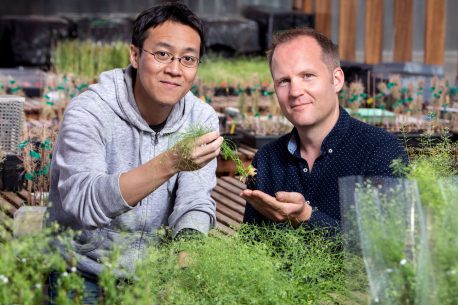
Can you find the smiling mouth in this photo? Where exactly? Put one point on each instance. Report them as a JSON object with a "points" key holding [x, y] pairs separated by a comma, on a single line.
{"points": [[170, 84], [300, 106]]}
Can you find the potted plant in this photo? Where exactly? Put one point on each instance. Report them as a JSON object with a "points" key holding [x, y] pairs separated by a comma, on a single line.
{"points": [[404, 229], [36, 157]]}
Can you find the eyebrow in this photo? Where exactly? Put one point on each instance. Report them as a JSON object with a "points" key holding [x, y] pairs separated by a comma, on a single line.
{"points": [[169, 46]]}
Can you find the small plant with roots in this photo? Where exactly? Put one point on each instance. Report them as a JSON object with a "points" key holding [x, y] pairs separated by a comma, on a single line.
{"points": [[186, 142]]}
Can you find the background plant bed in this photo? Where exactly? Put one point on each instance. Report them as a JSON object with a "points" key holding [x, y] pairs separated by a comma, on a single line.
{"points": [[419, 139], [256, 141]]}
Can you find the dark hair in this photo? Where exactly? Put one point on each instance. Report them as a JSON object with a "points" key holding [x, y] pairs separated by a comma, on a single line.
{"points": [[157, 15], [330, 51]]}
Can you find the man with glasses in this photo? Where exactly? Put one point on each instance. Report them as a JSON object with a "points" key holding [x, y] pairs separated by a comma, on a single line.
{"points": [[115, 174]]}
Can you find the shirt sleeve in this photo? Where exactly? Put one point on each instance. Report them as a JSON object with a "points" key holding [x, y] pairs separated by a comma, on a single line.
{"points": [[85, 188]]}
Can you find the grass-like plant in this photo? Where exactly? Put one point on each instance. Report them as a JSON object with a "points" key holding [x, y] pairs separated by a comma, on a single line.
{"points": [[390, 230], [234, 71], [404, 228], [88, 58], [25, 265], [435, 170], [186, 141], [256, 266]]}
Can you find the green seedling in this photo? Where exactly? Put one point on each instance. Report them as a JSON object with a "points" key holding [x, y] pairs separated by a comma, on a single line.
{"points": [[187, 141]]}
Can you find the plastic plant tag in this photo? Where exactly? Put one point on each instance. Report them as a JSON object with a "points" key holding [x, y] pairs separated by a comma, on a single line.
{"points": [[28, 220], [383, 223]]}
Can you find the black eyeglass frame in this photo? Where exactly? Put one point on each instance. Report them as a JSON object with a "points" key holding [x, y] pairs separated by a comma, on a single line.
{"points": [[172, 58]]}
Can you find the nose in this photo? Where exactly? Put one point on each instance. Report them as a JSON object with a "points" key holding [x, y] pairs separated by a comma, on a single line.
{"points": [[173, 67], [296, 88]]}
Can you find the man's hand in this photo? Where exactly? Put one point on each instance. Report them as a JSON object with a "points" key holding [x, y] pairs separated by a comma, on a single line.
{"points": [[285, 206], [193, 155]]}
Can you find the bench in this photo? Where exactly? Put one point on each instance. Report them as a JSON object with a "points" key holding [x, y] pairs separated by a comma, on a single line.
{"points": [[9, 203], [229, 205]]}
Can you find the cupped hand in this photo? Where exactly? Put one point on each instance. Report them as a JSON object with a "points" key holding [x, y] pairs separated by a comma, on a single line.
{"points": [[285, 206]]}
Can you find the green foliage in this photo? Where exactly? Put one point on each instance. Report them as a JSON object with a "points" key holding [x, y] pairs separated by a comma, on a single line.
{"points": [[390, 237], [240, 70], [187, 140], [411, 234], [430, 164], [256, 266], [25, 265], [88, 58]]}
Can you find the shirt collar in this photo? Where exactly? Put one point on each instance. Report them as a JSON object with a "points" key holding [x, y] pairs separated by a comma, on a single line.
{"points": [[331, 141]]}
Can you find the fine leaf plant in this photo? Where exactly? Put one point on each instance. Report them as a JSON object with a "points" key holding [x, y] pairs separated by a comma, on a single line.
{"points": [[185, 144]]}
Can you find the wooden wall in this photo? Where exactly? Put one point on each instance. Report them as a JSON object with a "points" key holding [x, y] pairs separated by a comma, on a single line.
{"points": [[373, 10]]}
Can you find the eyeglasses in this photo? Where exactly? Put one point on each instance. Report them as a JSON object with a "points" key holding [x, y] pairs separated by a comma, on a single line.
{"points": [[165, 57]]}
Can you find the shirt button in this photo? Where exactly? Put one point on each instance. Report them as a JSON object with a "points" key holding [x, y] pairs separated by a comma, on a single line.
{"points": [[330, 150], [305, 169]]}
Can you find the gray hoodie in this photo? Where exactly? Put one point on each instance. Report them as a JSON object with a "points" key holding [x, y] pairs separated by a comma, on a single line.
{"points": [[103, 135]]}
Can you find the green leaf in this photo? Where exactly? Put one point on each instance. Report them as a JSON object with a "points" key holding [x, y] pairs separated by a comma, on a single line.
{"points": [[23, 144], [46, 144], [34, 155]]}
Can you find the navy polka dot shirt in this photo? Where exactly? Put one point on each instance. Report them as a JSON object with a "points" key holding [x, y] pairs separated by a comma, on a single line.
{"points": [[351, 148]]}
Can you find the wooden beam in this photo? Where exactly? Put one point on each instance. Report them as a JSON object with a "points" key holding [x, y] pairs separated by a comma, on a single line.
{"points": [[348, 14], [323, 17], [434, 32], [373, 41], [403, 30], [307, 6]]}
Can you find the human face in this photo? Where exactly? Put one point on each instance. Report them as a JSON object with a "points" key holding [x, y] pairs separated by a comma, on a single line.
{"points": [[164, 84], [306, 89]]}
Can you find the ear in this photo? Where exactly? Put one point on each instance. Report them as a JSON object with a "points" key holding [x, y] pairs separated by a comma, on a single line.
{"points": [[338, 79], [134, 56]]}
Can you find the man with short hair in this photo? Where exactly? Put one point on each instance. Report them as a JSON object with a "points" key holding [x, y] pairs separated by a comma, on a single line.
{"points": [[297, 175], [114, 174]]}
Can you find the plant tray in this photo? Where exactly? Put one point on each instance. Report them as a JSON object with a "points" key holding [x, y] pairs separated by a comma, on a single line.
{"points": [[257, 141], [11, 174]]}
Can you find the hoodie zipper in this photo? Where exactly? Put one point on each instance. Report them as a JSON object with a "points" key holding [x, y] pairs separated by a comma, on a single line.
{"points": [[155, 140]]}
